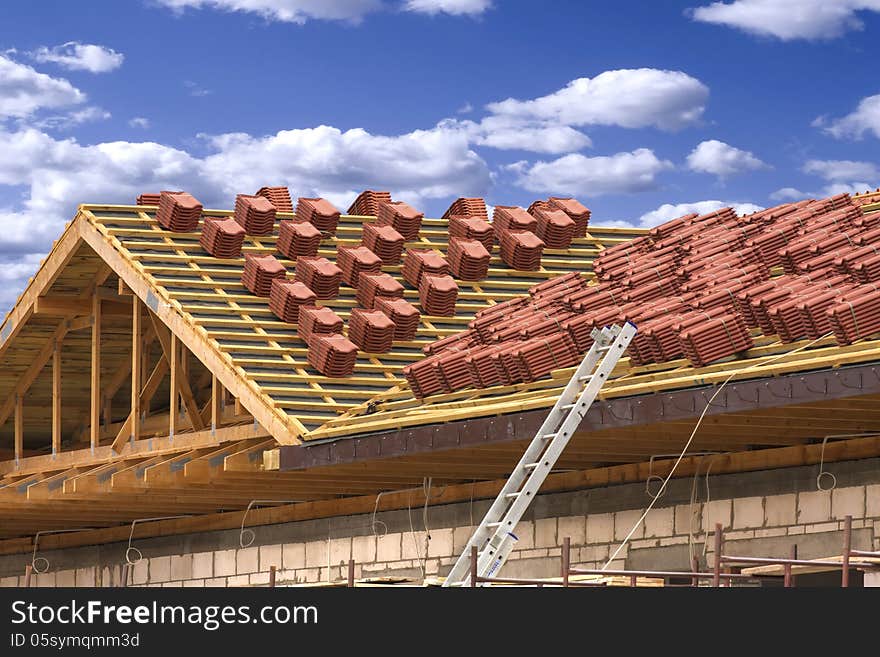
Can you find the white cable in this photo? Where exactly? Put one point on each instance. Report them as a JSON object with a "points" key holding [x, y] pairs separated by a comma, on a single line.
{"points": [[690, 439], [823, 472], [134, 550], [35, 559]]}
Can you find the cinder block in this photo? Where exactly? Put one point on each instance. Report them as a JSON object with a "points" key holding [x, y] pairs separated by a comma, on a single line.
{"points": [[86, 576], [247, 560], [182, 566], [848, 501], [545, 533], [600, 528], [440, 544], [525, 535], [67, 578], [872, 501], [795, 530], [573, 527], [821, 527], [432, 566], [770, 532], [203, 565], [238, 580], [340, 550], [9, 582], [717, 511], [270, 555], [363, 549], [748, 512], [388, 547], [224, 563], [460, 537], [624, 522], [316, 554], [739, 534], [780, 510], [293, 555], [44, 580], [413, 545], [592, 553], [160, 569], [190, 583], [216, 582], [259, 579], [645, 543], [170, 585], [687, 519], [673, 540], [660, 522], [814, 506]]}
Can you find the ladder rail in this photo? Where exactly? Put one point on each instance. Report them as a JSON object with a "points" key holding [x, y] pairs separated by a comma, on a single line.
{"points": [[494, 536]]}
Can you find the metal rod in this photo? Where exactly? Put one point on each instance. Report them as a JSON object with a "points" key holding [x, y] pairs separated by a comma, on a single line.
{"points": [[124, 579], [794, 554], [28, 569], [566, 560], [351, 573], [272, 577], [473, 566], [633, 580], [657, 573], [786, 571], [847, 546], [534, 582], [794, 562], [865, 553], [716, 580], [695, 568]]}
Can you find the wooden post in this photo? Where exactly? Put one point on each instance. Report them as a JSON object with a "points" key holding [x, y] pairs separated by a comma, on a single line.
{"points": [[136, 363], [217, 394], [19, 426], [95, 416], [56, 398], [173, 404]]}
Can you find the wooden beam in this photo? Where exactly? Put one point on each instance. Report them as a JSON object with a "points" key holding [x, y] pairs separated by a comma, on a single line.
{"points": [[19, 426], [136, 360], [95, 415], [217, 394], [179, 380], [147, 393], [56, 397], [66, 306], [174, 399]]}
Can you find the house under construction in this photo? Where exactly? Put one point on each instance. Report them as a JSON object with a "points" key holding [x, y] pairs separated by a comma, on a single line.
{"points": [[203, 397]]}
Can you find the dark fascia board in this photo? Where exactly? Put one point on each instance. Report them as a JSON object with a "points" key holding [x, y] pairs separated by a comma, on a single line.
{"points": [[736, 397]]}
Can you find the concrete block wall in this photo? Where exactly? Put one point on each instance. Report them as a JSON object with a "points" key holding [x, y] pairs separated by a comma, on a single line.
{"points": [[782, 508]]}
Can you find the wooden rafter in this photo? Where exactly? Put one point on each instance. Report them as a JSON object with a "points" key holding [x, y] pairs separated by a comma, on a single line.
{"points": [[56, 396], [179, 380], [95, 414]]}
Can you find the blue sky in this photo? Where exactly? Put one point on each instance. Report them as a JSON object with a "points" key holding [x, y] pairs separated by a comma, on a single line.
{"points": [[642, 110]]}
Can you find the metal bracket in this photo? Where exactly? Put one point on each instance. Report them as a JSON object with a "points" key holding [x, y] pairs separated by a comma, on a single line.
{"points": [[790, 394], [823, 391]]}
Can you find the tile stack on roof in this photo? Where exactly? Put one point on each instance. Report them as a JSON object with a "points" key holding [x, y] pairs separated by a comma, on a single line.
{"points": [[375, 286], [333, 355], [222, 237], [148, 198], [521, 250], [423, 377], [472, 228], [857, 316], [716, 338], [178, 212], [511, 217], [468, 259], [255, 213], [417, 262], [279, 197], [367, 203], [259, 271], [286, 298], [385, 242], [317, 320], [405, 219], [404, 315], [578, 212], [438, 294], [467, 207], [319, 275], [555, 228], [356, 260], [371, 330], [298, 238], [319, 212]]}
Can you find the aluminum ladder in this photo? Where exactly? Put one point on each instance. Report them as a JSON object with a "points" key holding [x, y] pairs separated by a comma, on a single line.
{"points": [[494, 537]]}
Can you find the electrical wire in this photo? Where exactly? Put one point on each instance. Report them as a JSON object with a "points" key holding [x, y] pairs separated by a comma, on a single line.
{"points": [[35, 559], [690, 439]]}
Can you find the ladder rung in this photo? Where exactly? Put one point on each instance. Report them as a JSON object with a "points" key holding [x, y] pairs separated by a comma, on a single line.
{"points": [[531, 466], [603, 348], [585, 378], [549, 436], [493, 524], [512, 496]]}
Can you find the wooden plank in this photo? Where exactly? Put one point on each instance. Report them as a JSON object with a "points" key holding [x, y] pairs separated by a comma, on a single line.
{"points": [[217, 396], [56, 397], [136, 361], [75, 307], [19, 426], [174, 388], [95, 415]]}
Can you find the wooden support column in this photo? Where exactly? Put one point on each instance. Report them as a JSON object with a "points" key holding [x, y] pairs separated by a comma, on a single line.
{"points": [[136, 363], [56, 398], [19, 426], [173, 405], [217, 399], [95, 415]]}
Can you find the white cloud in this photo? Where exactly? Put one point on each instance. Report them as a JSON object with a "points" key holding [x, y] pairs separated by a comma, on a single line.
{"points": [[865, 118], [139, 122], [77, 56], [23, 90], [72, 119], [579, 175], [287, 11], [14, 274], [841, 170], [505, 133], [453, 7], [467, 108], [629, 98], [721, 159], [788, 19], [195, 89], [789, 194], [669, 211]]}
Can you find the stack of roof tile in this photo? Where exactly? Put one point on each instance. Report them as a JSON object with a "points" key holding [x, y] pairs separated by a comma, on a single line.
{"points": [[539, 205], [438, 294], [385, 242], [298, 238], [356, 260], [417, 262], [472, 228], [255, 214], [404, 315], [279, 197], [148, 198], [423, 377], [555, 228], [375, 286], [579, 213], [468, 259], [371, 330], [867, 269], [857, 317], [286, 298], [317, 320], [540, 356], [333, 355], [222, 238], [178, 212], [715, 339], [521, 250], [507, 218], [318, 211], [405, 219], [259, 272], [467, 207], [367, 203], [320, 275]]}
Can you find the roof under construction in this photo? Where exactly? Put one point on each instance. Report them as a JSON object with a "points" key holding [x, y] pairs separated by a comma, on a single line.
{"points": [[225, 385]]}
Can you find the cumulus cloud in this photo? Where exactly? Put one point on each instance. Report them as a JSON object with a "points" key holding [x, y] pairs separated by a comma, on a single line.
{"points": [[286, 11], [505, 133], [865, 118], [669, 211], [788, 19], [453, 7], [23, 90], [721, 159], [840, 170], [139, 122], [72, 119], [577, 174], [77, 56]]}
